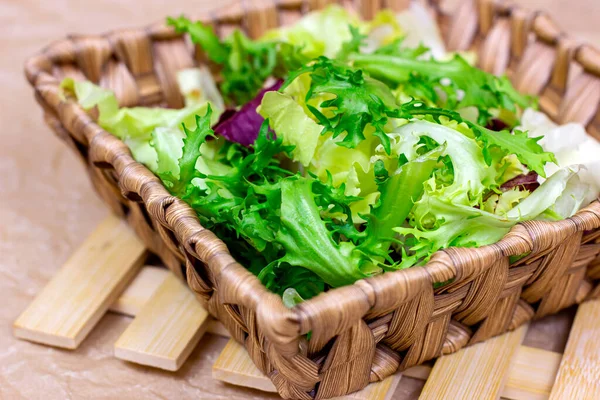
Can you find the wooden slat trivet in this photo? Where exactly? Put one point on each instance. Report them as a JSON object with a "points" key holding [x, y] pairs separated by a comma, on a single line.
{"points": [[482, 369], [99, 270], [531, 376], [579, 371], [71, 304], [167, 328], [139, 291], [235, 366]]}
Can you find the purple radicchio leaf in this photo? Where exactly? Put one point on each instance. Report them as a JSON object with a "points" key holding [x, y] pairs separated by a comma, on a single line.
{"points": [[242, 126], [527, 181], [497, 125]]}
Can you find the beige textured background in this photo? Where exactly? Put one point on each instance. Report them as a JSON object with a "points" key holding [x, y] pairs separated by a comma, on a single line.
{"points": [[47, 207]]}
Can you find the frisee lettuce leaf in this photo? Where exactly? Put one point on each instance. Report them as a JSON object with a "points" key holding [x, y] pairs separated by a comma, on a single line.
{"points": [[439, 223], [452, 84], [317, 33], [134, 125], [358, 101]]}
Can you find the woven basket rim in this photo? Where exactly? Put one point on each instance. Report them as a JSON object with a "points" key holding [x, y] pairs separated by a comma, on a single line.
{"points": [[445, 265]]}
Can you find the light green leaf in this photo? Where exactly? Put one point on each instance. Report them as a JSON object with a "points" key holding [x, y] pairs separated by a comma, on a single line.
{"points": [[288, 120]]}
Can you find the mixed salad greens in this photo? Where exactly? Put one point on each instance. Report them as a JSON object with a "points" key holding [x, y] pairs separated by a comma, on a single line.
{"points": [[332, 151]]}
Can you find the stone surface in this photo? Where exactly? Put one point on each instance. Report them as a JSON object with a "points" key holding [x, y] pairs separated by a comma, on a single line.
{"points": [[47, 208]]}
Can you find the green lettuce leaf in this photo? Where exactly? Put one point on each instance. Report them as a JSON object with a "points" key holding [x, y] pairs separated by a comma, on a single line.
{"points": [[471, 175], [287, 118], [246, 64], [439, 223], [452, 84], [500, 203], [398, 195], [318, 33], [133, 125], [291, 297], [526, 149], [179, 179], [358, 101], [308, 242]]}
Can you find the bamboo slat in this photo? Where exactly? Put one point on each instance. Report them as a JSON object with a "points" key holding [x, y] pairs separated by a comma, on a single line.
{"points": [[579, 372], [383, 390], [532, 374], [481, 369], [69, 306], [530, 377], [235, 366], [140, 290], [166, 330]]}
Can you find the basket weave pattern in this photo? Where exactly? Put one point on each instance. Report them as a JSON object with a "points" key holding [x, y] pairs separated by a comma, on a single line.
{"points": [[367, 331]]}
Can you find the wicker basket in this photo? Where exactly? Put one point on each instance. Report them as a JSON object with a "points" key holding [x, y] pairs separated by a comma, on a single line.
{"points": [[367, 331]]}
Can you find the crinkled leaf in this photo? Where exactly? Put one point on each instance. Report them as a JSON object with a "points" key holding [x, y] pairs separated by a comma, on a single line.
{"points": [[133, 125], [292, 125], [203, 35], [471, 175], [398, 194], [317, 33], [351, 46], [242, 126], [358, 101], [526, 149], [306, 239], [463, 84]]}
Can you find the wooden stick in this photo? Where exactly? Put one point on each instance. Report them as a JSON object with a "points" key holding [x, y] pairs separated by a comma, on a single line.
{"points": [[383, 390], [481, 369], [166, 330], [235, 366], [532, 374], [71, 304], [579, 372], [139, 291]]}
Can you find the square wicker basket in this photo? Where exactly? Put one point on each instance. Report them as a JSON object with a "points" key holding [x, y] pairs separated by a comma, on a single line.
{"points": [[367, 331]]}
